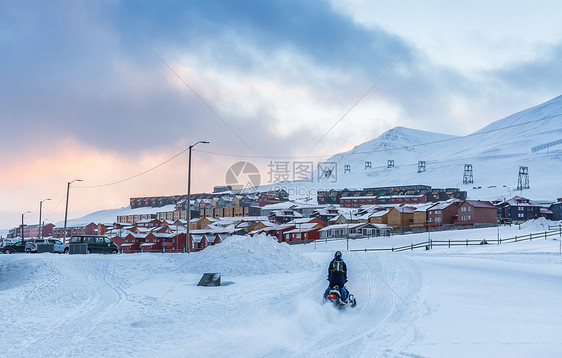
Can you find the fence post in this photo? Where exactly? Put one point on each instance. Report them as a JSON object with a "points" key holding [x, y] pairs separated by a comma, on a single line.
{"points": [[449, 243], [515, 238], [466, 242], [545, 235], [431, 244], [531, 237], [411, 247]]}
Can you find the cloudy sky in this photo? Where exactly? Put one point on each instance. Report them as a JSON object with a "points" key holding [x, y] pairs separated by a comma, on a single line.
{"points": [[104, 91]]}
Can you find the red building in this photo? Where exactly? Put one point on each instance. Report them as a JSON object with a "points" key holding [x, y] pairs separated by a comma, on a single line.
{"points": [[444, 213], [277, 231], [35, 230], [472, 212], [267, 199], [305, 233], [89, 229], [148, 223], [408, 199], [151, 242], [357, 201]]}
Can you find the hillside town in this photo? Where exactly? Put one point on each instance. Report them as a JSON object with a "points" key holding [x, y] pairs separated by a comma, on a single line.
{"points": [[337, 214]]}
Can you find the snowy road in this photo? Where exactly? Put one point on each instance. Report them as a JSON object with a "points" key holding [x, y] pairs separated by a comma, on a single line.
{"points": [[444, 303]]}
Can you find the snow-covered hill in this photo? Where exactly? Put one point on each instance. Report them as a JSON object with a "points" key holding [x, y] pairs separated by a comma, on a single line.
{"points": [[109, 216], [479, 301], [495, 152]]}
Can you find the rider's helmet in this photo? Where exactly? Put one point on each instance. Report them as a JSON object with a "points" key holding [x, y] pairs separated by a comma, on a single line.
{"points": [[337, 255]]}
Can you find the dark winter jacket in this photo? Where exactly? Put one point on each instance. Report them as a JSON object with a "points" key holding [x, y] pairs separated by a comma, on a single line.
{"points": [[333, 268]]}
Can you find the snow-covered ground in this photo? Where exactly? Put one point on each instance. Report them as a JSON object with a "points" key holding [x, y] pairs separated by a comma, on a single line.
{"points": [[478, 301]]}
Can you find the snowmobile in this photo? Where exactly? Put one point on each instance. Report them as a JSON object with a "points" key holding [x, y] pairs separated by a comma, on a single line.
{"points": [[333, 296]]}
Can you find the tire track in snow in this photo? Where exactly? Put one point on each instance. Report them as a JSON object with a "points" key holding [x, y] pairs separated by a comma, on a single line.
{"points": [[99, 299], [361, 335], [108, 296], [352, 329], [352, 347]]}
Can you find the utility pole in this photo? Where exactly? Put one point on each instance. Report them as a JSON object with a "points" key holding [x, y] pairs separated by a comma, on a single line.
{"points": [[189, 194], [40, 232], [22, 215], [66, 210]]}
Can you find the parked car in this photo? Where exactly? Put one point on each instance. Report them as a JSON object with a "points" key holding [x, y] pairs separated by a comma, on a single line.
{"points": [[58, 246], [96, 244], [13, 248]]}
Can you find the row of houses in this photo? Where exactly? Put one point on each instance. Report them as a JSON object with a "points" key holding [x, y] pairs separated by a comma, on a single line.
{"points": [[292, 222], [221, 198], [387, 193]]}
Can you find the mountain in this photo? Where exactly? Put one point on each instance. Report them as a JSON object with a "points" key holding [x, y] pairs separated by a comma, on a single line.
{"points": [[496, 153]]}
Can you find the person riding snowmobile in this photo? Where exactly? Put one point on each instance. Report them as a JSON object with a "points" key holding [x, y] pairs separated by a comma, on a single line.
{"points": [[337, 275]]}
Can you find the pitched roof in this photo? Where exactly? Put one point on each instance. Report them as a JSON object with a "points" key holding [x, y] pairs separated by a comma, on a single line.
{"points": [[342, 226], [481, 204]]}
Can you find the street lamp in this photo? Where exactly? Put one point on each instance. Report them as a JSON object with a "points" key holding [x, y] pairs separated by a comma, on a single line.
{"points": [[189, 194], [27, 212], [66, 210], [40, 232]]}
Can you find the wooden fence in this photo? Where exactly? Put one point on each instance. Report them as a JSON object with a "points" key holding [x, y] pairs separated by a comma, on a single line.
{"points": [[427, 245]]}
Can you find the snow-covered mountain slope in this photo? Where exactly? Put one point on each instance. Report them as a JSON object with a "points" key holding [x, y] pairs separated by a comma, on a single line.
{"points": [[495, 152], [109, 216]]}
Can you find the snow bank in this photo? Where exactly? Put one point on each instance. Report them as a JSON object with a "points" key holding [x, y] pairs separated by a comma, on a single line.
{"points": [[257, 255], [540, 224]]}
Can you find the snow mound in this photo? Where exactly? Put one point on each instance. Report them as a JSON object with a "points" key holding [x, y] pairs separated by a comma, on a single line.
{"points": [[540, 224], [257, 255]]}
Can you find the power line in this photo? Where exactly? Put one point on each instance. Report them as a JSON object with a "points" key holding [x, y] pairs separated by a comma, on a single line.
{"points": [[362, 97], [202, 100], [314, 156], [134, 176]]}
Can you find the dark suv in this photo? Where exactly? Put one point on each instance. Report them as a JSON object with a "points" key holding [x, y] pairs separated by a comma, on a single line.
{"points": [[13, 248], [95, 244]]}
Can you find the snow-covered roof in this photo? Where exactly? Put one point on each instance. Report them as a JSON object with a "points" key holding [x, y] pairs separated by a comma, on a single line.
{"points": [[287, 213], [358, 197], [445, 204], [305, 226], [301, 220], [481, 204], [521, 201], [146, 221], [406, 209], [164, 235], [379, 213], [342, 226], [424, 207], [198, 238]]}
